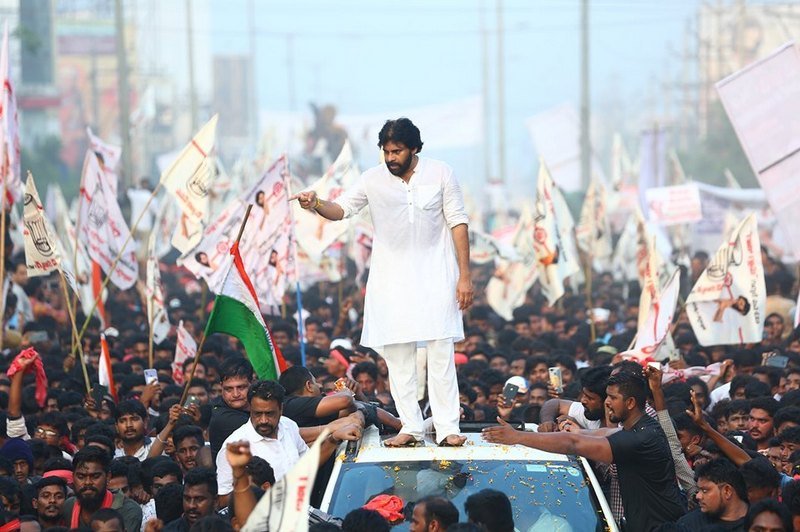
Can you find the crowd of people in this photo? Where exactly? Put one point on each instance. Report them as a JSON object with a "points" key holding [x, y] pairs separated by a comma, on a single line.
{"points": [[723, 450]]}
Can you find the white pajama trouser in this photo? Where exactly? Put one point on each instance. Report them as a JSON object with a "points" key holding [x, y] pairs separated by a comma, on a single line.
{"points": [[401, 360]]}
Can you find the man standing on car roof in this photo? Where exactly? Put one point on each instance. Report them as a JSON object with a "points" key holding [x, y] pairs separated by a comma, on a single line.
{"points": [[640, 450], [419, 280]]}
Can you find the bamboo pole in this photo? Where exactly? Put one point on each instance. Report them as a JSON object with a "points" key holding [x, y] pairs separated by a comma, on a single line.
{"points": [[3, 250], [71, 313]]}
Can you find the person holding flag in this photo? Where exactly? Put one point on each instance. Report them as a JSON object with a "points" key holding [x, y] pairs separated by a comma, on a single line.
{"points": [[419, 281]]}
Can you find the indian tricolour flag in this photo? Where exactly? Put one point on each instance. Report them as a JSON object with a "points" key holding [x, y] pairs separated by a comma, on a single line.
{"points": [[236, 312]]}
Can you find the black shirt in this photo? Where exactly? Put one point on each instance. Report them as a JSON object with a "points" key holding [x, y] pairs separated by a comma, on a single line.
{"points": [[224, 420], [303, 411], [646, 474], [697, 520]]}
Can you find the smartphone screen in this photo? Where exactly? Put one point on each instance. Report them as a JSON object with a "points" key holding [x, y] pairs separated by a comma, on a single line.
{"points": [[555, 379], [510, 393], [150, 376]]}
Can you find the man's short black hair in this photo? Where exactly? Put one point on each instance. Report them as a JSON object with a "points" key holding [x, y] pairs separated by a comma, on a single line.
{"points": [[790, 434], [492, 509], [367, 367], [236, 367], [202, 475], [51, 481], [440, 509], [771, 506], [188, 431], [165, 469], [722, 471], [168, 506], [767, 404], [759, 473], [402, 131], [202, 383], [55, 420], [596, 380], [786, 414], [92, 454], [294, 379], [741, 406], [108, 514], [630, 385], [363, 519], [682, 421], [261, 471], [131, 407], [266, 390]]}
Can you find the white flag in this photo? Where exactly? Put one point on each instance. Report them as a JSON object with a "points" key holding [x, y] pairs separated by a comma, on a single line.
{"points": [[727, 303], [658, 320], [156, 311], [315, 233], [284, 507], [189, 179], [185, 349], [108, 155], [42, 255], [103, 229], [105, 375], [624, 264], [509, 285], [593, 232], [9, 128], [553, 244]]}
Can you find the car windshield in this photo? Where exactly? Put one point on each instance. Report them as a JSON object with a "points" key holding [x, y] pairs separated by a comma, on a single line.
{"points": [[543, 494]]}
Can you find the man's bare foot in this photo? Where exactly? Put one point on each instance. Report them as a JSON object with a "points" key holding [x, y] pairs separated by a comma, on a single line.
{"points": [[454, 440], [401, 440]]}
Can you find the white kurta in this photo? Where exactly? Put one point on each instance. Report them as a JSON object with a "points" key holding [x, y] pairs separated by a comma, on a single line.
{"points": [[411, 290]]}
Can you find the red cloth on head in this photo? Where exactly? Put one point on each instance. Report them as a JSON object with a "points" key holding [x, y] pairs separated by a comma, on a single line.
{"points": [[37, 368], [389, 506]]}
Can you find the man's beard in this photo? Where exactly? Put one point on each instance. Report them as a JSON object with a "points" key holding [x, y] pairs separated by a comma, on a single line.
{"points": [[401, 169], [91, 500], [593, 415], [134, 439], [47, 516]]}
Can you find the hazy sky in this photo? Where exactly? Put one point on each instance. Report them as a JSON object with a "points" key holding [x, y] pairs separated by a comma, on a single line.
{"points": [[368, 56]]}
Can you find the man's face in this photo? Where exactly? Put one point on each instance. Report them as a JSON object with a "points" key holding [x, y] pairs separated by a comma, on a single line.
{"points": [[709, 497], [216, 390], [494, 393], [774, 457], [11, 506], [500, 364], [615, 404], [112, 525], [197, 503], [398, 157], [738, 421], [120, 484], [793, 381], [517, 367], [139, 349], [130, 428], [160, 482], [760, 425], [234, 392], [786, 450], [21, 470], [367, 383], [48, 433], [418, 522], [50, 502], [200, 393], [90, 483], [773, 327], [537, 325], [538, 396], [281, 339], [186, 453], [265, 414], [523, 328], [20, 275], [51, 405], [335, 367], [592, 405], [539, 374]]}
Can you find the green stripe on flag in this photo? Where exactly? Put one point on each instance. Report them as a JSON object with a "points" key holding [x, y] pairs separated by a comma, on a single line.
{"points": [[232, 317]]}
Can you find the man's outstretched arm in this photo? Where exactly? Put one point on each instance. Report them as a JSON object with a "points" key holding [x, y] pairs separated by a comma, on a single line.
{"points": [[594, 448]]}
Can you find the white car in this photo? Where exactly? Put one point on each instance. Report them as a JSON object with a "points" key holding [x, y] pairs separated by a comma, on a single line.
{"points": [[548, 492]]}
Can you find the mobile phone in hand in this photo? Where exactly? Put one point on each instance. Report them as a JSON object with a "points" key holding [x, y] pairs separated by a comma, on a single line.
{"points": [[150, 376], [510, 393], [556, 381]]}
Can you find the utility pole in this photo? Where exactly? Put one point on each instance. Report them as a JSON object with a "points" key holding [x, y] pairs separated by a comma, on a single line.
{"points": [[190, 46], [123, 92], [501, 99], [585, 138], [487, 169], [251, 11]]}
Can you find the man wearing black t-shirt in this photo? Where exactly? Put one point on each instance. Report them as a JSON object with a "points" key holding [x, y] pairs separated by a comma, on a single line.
{"points": [[722, 496], [231, 410], [640, 450]]}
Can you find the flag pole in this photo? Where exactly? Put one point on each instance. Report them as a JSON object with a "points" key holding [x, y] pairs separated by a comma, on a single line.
{"points": [[115, 262], [71, 313], [188, 380], [588, 288], [298, 294], [3, 246]]}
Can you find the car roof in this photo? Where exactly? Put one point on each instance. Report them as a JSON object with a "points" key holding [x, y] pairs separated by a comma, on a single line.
{"points": [[475, 448]]}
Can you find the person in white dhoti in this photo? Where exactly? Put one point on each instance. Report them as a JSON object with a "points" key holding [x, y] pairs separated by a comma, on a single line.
{"points": [[419, 280]]}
